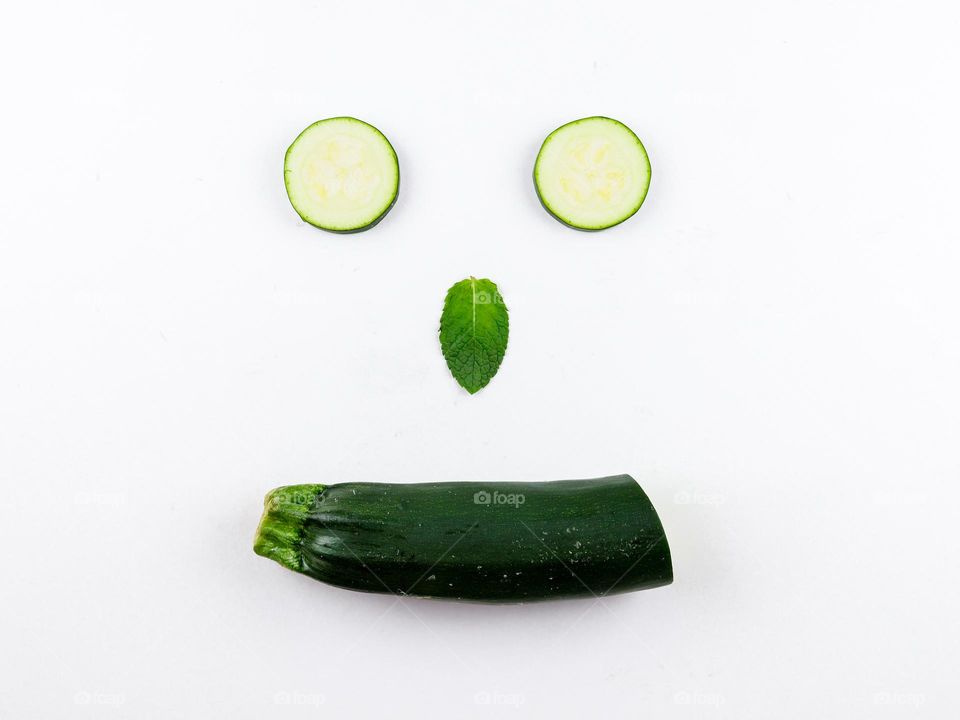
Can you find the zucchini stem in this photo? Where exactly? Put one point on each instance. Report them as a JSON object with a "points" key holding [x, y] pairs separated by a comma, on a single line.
{"points": [[280, 533]]}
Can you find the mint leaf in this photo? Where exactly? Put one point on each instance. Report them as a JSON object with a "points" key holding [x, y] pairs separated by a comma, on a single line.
{"points": [[473, 332]]}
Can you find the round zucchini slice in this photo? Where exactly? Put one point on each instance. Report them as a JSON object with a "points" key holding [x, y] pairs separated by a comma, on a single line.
{"points": [[592, 173], [342, 175]]}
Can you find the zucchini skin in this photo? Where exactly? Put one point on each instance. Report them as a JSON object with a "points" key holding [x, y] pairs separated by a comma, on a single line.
{"points": [[476, 541]]}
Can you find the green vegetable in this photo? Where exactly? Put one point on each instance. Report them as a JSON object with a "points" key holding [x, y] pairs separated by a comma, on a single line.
{"points": [[341, 175], [490, 542], [592, 173], [473, 332]]}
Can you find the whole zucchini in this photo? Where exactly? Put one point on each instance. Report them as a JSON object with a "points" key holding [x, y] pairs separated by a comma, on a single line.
{"points": [[480, 541]]}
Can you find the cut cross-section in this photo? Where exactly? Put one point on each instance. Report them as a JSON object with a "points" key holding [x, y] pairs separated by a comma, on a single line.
{"points": [[592, 173], [342, 175]]}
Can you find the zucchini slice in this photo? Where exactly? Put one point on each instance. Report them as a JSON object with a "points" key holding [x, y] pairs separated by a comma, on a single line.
{"points": [[342, 175], [478, 541], [592, 173]]}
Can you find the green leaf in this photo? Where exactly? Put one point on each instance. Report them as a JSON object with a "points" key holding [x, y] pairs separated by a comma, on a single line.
{"points": [[473, 332]]}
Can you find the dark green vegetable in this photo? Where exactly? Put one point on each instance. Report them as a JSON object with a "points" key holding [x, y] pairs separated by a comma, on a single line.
{"points": [[489, 542]]}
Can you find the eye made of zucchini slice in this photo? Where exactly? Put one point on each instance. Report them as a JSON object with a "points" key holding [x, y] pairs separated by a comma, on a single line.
{"points": [[592, 173], [341, 175]]}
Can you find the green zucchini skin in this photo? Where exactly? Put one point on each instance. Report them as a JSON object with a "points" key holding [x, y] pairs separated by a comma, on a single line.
{"points": [[475, 541]]}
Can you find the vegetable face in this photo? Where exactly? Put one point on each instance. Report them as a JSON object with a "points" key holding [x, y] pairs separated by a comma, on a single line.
{"points": [[592, 173], [488, 542], [341, 175]]}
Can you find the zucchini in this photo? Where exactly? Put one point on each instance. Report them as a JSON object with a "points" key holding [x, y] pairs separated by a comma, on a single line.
{"points": [[479, 541], [341, 175], [592, 173]]}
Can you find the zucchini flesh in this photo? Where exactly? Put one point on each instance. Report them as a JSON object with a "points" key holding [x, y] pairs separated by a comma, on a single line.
{"points": [[341, 175], [488, 542], [592, 173]]}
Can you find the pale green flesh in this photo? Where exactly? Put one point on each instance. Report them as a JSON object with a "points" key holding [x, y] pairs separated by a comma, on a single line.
{"points": [[341, 174], [592, 173]]}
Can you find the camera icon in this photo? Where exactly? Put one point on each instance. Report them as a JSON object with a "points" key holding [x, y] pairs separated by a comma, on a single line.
{"points": [[482, 498]]}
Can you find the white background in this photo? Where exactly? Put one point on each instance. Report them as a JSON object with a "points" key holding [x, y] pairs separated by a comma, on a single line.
{"points": [[770, 346]]}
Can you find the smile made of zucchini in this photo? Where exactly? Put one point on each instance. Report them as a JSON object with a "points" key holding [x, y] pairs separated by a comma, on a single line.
{"points": [[478, 541]]}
